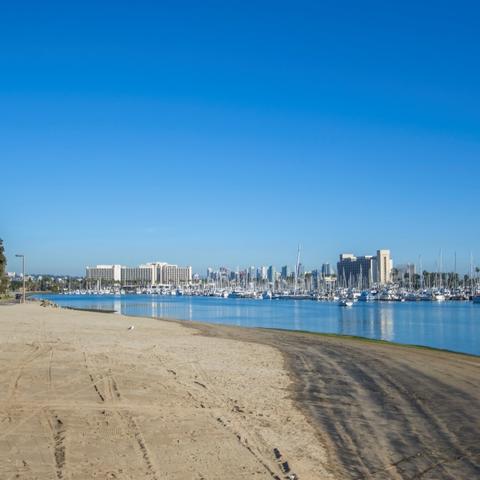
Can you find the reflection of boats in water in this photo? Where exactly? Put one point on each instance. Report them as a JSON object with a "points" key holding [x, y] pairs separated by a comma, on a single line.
{"points": [[291, 296]]}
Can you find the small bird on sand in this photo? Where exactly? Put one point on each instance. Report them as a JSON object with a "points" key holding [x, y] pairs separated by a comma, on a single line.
{"points": [[131, 327]]}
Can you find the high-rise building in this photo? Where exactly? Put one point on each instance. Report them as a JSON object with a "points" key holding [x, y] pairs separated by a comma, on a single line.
{"points": [[327, 270], [262, 273], [252, 274], [384, 266], [144, 275], [285, 272], [104, 273], [156, 273], [355, 271], [361, 272], [271, 274], [175, 275]]}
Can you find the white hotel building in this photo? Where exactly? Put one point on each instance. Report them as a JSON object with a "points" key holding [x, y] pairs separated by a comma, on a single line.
{"points": [[155, 273]]}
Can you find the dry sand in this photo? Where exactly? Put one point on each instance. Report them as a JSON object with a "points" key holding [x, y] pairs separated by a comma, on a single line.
{"points": [[82, 397]]}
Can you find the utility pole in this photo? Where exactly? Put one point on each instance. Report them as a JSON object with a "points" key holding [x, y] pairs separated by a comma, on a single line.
{"points": [[23, 276]]}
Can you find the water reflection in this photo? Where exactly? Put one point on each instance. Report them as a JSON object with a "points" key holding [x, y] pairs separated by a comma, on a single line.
{"points": [[450, 325]]}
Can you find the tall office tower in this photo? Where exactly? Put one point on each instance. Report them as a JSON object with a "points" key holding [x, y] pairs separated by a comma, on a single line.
{"points": [[355, 271], [271, 274], [327, 270], [262, 273], [285, 272], [384, 266]]}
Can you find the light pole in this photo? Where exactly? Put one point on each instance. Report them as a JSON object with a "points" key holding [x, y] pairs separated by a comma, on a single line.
{"points": [[23, 274]]}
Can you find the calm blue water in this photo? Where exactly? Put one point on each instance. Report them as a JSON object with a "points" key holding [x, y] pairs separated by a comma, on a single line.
{"points": [[449, 325]]}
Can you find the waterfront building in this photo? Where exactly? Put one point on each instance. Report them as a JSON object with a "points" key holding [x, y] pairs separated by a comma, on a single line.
{"points": [[175, 275], [364, 271], [384, 266], [355, 271], [144, 275], [285, 272], [104, 273], [155, 273]]}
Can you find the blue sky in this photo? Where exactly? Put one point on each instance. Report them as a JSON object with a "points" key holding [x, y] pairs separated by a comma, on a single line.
{"points": [[225, 133]]}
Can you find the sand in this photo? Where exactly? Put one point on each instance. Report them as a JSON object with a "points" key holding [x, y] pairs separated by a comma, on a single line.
{"points": [[384, 411], [82, 396]]}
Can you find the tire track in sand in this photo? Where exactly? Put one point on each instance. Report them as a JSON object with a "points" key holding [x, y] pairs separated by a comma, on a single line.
{"points": [[59, 432], [126, 422]]}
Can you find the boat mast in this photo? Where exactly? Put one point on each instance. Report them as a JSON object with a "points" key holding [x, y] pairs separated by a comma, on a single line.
{"points": [[455, 271], [441, 268], [296, 270], [421, 272]]}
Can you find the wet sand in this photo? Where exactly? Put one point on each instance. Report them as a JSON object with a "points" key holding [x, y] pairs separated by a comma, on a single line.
{"points": [[385, 411], [82, 396]]}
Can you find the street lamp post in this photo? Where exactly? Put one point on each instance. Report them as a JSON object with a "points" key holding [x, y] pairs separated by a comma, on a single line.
{"points": [[23, 274]]}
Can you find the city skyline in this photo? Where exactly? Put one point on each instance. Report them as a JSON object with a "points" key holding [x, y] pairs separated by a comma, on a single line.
{"points": [[215, 134], [440, 263]]}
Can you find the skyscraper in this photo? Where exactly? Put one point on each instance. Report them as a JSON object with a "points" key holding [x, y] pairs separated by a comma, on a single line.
{"points": [[271, 274], [356, 271], [327, 270], [384, 266], [262, 273]]}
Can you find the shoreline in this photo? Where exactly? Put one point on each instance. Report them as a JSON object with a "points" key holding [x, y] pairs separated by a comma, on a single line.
{"points": [[454, 333], [384, 410], [280, 330]]}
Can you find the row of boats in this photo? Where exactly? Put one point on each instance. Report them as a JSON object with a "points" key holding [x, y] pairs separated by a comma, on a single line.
{"points": [[344, 297]]}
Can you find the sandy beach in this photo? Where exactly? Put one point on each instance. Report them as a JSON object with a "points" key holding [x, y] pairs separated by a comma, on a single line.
{"points": [[82, 396]]}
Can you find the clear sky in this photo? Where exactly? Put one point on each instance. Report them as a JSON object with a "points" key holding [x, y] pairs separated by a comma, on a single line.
{"points": [[225, 133]]}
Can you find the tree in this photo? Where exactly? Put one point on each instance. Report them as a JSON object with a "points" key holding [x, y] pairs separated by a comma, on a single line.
{"points": [[3, 265]]}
